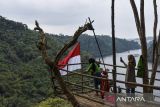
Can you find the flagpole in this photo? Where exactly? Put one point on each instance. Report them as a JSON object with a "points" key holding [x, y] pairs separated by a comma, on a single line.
{"points": [[97, 43]]}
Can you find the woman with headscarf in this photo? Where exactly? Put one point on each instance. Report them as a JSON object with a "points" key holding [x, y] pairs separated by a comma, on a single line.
{"points": [[130, 74]]}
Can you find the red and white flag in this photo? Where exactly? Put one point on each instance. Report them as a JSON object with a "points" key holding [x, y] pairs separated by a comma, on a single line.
{"points": [[73, 57]]}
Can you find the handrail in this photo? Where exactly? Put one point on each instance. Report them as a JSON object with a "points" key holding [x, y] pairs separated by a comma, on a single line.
{"points": [[120, 88], [132, 83], [125, 67], [72, 72], [136, 76], [140, 92], [99, 89], [119, 66], [83, 74], [86, 88]]}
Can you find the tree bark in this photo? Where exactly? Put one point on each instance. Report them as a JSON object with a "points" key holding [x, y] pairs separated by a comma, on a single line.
{"points": [[155, 56], [144, 46], [140, 24], [136, 17], [53, 64], [154, 29], [155, 65]]}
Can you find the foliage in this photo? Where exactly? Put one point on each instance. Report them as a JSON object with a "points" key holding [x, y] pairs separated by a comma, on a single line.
{"points": [[54, 102], [24, 78], [88, 44], [23, 75]]}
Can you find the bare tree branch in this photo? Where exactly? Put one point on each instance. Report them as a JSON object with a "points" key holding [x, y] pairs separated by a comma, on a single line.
{"points": [[154, 29], [142, 18], [136, 16], [144, 45], [80, 30], [53, 65], [155, 56], [42, 45], [140, 24], [155, 65]]}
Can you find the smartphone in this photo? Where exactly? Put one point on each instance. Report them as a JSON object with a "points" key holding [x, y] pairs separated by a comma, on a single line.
{"points": [[121, 59]]}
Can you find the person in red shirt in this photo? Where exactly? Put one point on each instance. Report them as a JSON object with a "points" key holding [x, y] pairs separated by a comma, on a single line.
{"points": [[104, 87]]}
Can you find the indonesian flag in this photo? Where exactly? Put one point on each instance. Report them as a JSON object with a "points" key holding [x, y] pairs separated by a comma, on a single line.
{"points": [[73, 57]]}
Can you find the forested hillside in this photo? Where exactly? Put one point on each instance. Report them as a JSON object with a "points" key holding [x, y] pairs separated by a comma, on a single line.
{"points": [[24, 78], [105, 42], [88, 44]]}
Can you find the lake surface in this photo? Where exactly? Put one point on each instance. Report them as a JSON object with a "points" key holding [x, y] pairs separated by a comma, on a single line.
{"points": [[108, 60]]}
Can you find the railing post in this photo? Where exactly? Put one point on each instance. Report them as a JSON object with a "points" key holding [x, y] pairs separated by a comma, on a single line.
{"points": [[82, 80], [67, 73], [113, 44], [114, 81], [114, 86]]}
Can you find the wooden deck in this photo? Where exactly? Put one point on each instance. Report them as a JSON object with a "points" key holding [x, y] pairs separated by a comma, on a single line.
{"points": [[99, 102]]}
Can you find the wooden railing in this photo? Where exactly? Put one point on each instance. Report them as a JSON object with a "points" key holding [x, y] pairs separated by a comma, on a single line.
{"points": [[81, 83]]}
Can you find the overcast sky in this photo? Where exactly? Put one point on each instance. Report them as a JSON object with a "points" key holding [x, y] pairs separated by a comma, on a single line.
{"points": [[65, 16]]}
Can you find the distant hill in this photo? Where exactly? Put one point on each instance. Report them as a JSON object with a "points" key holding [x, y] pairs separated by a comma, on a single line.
{"points": [[149, 40], [88, 44], [149, 45], [105, 43], [24, 78]]}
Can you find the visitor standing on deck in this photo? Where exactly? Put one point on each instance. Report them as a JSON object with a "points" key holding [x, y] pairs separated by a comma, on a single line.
{"points": [[94, 71], [104, 83], [130, 74]]}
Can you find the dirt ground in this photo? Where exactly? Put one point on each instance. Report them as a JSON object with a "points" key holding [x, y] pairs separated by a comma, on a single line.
{"points": [[88, 103]]}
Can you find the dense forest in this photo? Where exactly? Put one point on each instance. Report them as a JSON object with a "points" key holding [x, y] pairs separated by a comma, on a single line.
{"points": [[88, 44], [24, 78]]}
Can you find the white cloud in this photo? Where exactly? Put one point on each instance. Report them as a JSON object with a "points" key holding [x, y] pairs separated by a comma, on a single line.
{"points": [[64, 16]]}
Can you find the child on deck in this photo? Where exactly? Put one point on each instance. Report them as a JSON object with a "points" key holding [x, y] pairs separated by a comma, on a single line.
{"points": [[104, 83]]}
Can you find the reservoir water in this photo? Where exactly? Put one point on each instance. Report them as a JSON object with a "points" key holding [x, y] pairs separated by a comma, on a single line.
{"points": [[136, 53]]}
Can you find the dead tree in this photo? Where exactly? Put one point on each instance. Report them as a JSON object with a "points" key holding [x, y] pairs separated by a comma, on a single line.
{"points": [[140, 24], [154, 29], [54, 64], [155, 64], [156, 43]]}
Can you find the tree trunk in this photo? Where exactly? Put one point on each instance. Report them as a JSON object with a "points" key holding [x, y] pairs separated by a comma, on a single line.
{"points": [[155, 56], [140, 24], [155, 65], [144, 46], [113, 47], [53, 65], [154, 30]]}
